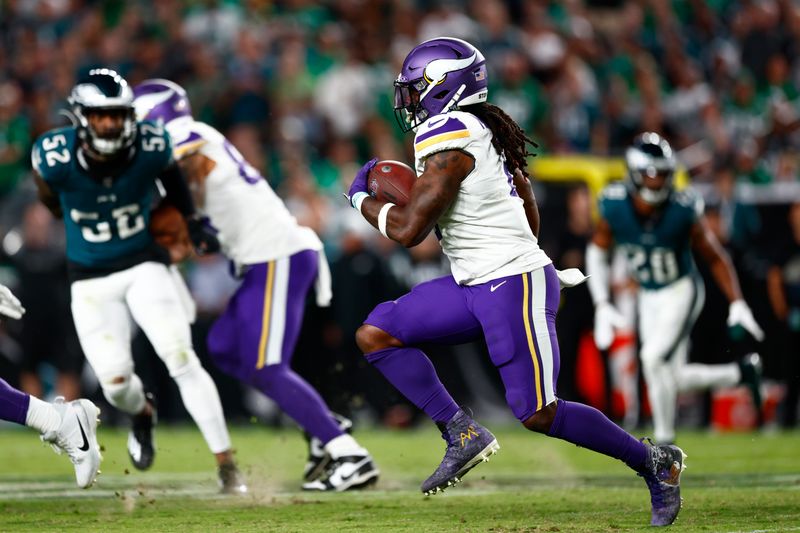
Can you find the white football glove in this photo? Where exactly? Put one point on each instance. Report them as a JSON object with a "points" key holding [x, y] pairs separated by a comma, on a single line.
{"points": [[9, 305], [739, 314], [606, 319]]}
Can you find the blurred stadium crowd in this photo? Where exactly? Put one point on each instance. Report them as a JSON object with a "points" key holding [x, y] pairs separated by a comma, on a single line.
{"points": [[304, 90]]}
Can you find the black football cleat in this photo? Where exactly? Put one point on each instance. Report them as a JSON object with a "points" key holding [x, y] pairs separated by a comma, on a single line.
{"points": [[750, 370], [346, 473], [318, 458], [141, 441]]}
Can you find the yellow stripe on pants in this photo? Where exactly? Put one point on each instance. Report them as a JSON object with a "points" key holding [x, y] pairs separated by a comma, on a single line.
{"points": [[262, 344], [531, 346]]}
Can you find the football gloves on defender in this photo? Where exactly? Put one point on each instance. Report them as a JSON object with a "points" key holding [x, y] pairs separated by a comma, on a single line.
{"points": [[606, 319], [10, 306], [740, 317], [203, 236], [359, 184]]}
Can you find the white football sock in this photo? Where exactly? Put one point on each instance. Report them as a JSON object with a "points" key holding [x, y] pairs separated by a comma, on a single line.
{"points": [[201, 399], [344, 445], [42, 416], [696, 376], [662, 391]]}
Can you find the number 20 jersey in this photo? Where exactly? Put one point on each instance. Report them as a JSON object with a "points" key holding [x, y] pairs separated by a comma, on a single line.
{"points": [[658, 249], [106, 217]]}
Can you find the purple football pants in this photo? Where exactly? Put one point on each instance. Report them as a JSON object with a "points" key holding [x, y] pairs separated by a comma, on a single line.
{"points": [[13, 403], [515, 314], [517, 317], [255, 338]]}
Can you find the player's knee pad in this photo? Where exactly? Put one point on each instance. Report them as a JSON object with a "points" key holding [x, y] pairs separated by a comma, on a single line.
{"points": [[180, 362], [124, 391]]}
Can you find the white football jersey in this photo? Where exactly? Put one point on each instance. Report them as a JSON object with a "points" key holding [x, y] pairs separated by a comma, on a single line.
{"points": [[484, 233], [253, 223]]}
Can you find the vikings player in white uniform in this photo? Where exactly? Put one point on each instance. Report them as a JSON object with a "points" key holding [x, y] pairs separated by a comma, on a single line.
{"points": [[279, 261], [472, 187], [657, 228]]}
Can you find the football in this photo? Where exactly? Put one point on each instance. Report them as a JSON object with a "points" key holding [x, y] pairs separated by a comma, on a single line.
{"points": [[391, 181], [169, 230]]}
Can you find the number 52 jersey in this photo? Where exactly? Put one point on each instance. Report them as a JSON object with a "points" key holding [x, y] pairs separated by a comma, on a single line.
{"points": [[106, 216], [658, 249]]}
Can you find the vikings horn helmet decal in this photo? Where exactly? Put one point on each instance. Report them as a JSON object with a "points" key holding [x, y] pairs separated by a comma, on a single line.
{"points": [[437, 76]]}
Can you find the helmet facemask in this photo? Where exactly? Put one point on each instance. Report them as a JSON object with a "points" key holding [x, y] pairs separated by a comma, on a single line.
{"points": [[106, 144], [651, 168], [652, 195], [407, 109], [103, 92]]}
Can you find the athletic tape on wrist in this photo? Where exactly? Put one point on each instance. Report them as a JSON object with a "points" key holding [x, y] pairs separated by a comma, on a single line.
{"points": [[382, 216], [358, 199]]}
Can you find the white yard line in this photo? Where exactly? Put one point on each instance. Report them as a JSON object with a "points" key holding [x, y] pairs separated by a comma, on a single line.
{"points": [[797, 528]]}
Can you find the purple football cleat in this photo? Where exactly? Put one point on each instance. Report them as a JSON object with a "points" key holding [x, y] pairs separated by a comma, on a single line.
{"points": [[468, 444], [663, 478]]}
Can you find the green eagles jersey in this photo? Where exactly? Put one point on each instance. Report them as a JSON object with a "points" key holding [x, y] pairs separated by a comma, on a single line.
{"points": [[106, 218], [658, 248]]}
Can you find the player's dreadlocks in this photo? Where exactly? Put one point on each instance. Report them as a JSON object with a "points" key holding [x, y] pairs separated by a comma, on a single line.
{"points": [[508, 138]]}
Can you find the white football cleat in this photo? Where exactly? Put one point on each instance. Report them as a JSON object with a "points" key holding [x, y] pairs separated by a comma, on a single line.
{"points": [[77, 437]]}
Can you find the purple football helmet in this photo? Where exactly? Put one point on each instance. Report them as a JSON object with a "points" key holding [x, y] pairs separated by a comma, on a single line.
{"points": [[160, 100], [438, 75]]}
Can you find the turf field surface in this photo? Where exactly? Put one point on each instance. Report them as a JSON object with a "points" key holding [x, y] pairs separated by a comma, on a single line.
{"points": [[733, 483]]}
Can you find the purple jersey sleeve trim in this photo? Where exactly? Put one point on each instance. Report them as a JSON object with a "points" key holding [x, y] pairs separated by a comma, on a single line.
{"points": [[452, 124]]}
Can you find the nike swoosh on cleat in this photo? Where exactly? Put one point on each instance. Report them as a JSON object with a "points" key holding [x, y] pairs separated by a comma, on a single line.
{"points": [[355, 471], [85, 447], [495, 287], [349, 476]]}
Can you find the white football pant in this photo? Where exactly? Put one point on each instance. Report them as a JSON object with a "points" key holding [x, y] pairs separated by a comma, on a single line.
{"points": [[102, 309], [666, 317]]}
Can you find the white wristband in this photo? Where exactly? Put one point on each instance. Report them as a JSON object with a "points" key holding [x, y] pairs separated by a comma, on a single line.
{"points": [[382, 216], [358, 199]]}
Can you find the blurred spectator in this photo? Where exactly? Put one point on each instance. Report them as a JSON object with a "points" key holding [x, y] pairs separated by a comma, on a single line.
{"points": [[47, 336], [15, 137], [783, 288]]}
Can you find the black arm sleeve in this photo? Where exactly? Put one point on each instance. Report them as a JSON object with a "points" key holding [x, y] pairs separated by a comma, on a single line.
{"points": [[177, 191]]}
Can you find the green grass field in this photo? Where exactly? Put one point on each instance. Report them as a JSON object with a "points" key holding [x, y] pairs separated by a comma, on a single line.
{"points": [[734, 482]]}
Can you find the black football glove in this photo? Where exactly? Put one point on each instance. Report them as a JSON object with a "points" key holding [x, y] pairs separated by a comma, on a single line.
{"points": [[203, 235]]}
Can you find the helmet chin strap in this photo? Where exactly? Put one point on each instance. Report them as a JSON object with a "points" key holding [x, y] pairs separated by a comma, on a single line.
{"points": [[653, 197], [70, 116], [106, 147], [454, 100]]}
